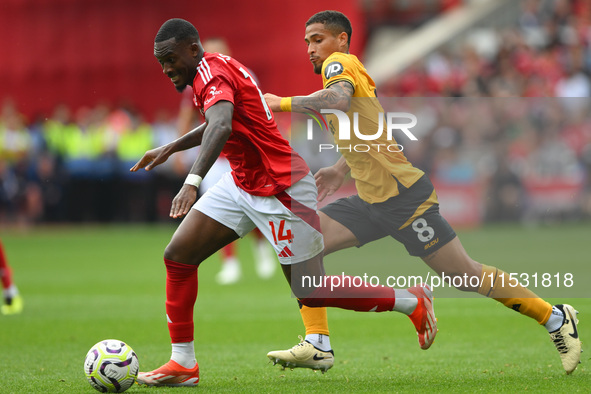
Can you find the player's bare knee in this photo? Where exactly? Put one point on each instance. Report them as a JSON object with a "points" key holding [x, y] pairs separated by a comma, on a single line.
{"points": [[179, 255], [170, 253]]}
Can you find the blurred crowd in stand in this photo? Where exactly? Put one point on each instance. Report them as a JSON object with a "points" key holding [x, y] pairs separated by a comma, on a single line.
{"points": [[547, 53], [75, 166], [532, 168], [507, 113]]}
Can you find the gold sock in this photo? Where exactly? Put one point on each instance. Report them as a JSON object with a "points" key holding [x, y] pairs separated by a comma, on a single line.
{"points": [[314, 319], [498, 285]]}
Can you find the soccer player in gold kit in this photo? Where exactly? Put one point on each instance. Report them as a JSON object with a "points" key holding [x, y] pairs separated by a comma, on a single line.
{"points": [[394, 198]]}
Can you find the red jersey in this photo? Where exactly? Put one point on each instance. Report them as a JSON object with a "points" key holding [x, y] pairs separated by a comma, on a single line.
{"points": [[263, 163]]}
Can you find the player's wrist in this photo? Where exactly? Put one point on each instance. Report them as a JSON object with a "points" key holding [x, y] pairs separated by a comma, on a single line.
{"points": [[193, 180], [285, 104], [342, 165], [341, 168]]}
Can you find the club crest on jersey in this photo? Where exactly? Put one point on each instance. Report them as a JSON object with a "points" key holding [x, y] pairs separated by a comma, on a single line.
{"points": [[333, 69], [213, 92]]}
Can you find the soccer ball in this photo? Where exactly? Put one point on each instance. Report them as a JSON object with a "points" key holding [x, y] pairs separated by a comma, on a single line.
{"points": [[111, 366]]}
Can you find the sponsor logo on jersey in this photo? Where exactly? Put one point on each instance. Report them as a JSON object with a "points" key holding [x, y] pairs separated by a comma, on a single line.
{"points": [[333, 69], [212, 92], [432, 243]]}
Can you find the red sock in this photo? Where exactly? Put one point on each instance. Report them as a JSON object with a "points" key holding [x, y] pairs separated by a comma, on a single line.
{"points": [[228, 251], [5, 273], [181, 294], [343, 292], [257, 233]]}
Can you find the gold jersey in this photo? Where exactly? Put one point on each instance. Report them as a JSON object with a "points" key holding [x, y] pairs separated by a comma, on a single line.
{"points": [[376, 165]]}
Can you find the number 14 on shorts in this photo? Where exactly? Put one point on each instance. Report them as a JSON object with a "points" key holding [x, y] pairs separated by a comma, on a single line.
{"points": [[281, 234]]}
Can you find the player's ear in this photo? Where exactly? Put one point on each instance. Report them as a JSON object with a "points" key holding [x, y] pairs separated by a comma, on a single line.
{"points": [[343, 39], [196, 49]]}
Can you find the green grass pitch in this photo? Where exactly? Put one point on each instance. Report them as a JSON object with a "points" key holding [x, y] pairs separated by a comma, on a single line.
{"points": [[84, 284]]}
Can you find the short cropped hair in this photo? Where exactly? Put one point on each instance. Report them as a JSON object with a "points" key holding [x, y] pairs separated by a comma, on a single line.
{"points": [[176, 28], [334, 21]]}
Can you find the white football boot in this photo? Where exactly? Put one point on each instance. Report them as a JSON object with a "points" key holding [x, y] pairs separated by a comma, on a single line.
{"points": [[303, 355], [566, 339]]}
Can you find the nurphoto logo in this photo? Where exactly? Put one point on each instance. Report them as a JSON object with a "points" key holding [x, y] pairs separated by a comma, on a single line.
{"points": [[402, 121]]}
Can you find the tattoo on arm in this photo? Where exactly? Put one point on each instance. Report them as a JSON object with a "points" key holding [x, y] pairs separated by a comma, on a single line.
{"points": [[336, 96]]}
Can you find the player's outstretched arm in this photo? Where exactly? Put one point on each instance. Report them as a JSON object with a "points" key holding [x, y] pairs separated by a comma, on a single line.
{"points": [[219, 127], [336, 96], [330, 179], [159, 155]]}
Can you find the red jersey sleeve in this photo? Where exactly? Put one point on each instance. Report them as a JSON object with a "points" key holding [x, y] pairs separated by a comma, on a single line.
{"points": [[215, 86]]}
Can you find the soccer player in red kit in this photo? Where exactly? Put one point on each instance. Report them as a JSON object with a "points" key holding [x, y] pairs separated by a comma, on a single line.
{"points": [[270, 187], [188, 116], [13, 302]]}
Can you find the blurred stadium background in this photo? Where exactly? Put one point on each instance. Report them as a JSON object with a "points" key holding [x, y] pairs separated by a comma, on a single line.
{"points": [[501, 89]]}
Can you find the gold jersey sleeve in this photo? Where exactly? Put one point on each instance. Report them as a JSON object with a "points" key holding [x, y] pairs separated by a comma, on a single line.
{"points": [[378, 164]]}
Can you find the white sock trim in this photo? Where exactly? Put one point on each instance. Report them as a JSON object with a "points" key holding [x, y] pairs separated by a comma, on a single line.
{"points": [[183, 353], [405, 301], [11, 291], [319, 341], [555, 321]]}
